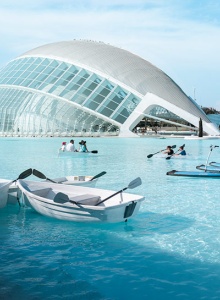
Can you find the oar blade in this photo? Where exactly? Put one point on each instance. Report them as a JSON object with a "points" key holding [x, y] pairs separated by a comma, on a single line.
{"points": [[98, 175], [173, 147], [94, 151], [25, 174], [39, 174], [42, 176], [150, 155], [134, 183], [61, 198]]}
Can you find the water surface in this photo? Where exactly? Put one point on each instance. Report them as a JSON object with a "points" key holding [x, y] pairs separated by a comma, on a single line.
{"points": [[170, 250]]}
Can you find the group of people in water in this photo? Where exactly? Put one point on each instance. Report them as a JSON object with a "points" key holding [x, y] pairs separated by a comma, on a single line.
{"points": [[169, 151], [72, 148]]}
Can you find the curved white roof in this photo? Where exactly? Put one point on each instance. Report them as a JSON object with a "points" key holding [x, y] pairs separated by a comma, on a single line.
{"points": [[130, 69]]}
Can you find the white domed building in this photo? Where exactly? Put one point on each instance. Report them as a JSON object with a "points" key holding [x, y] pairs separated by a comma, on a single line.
{"points": [[88, 88]]}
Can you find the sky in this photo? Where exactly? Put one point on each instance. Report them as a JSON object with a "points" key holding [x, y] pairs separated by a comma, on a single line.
{"points": [[180, 37]]}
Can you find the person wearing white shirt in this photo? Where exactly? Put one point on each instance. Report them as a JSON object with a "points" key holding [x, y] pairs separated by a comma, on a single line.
{"points": [[63, 147], [71, 147]]}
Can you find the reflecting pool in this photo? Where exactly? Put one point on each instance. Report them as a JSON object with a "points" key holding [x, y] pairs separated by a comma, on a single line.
{"points": [[169, 250]]}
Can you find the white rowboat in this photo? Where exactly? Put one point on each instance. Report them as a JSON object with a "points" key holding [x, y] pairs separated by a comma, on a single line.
{"points": [[80, 204], [77, 180], [76, 154], [89, 181]]}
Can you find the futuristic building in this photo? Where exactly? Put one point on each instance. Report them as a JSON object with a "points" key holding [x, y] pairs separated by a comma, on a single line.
{"points": [[88, 88]]}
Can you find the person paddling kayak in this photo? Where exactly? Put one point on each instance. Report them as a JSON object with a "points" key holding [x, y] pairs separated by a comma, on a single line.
{"points": [[168, 151], [181, 151]]}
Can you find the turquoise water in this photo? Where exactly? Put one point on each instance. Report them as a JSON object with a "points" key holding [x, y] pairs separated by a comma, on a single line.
{"points": [[170, 250]]}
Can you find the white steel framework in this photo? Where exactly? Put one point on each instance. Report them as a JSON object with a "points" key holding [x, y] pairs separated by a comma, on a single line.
{"points": [[87, 88]]}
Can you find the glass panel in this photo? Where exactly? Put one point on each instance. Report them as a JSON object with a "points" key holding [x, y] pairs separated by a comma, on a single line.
{"points": [[92, 105], [99, 99], [112, 105], [117, 99], [26, 82], [121, 119], [46, 62], [35, 84], [39, 68], [106, 111], [105, 92]]}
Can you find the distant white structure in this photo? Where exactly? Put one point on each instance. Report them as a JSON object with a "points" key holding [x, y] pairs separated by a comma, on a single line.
{"points": [[88, 88], [214, 118]]}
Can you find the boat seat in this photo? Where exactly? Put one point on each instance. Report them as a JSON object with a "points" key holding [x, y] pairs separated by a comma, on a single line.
{"points": [[85, 199], [41, 192]]}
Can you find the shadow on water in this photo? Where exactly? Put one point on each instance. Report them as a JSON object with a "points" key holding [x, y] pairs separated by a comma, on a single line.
{"points": [[149, 223], [43, 258]]}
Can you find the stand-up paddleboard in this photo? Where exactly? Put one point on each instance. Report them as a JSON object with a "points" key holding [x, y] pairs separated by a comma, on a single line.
{"points": [[194, 174], [204, 173], [215, 164], [208, 168]]}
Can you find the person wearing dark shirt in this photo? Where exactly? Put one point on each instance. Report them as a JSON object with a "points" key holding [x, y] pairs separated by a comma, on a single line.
{"points": [[169, 150]]}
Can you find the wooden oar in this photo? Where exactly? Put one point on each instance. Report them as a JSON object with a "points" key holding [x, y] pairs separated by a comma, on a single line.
{"points": [[133, 184], [169, 157], [98, 175], [150, 155], [42, 176]]}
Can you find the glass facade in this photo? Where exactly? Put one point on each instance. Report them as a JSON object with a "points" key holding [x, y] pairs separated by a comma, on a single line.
{"points": [[163, 113], [41, 96]]}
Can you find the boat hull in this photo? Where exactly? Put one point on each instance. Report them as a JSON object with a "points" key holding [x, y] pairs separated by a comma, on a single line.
{"points": [[215, 164], [116, 209], [210, 169], [165, 156], [76, 154], [77, 180], [196, 174], [4, 187]]}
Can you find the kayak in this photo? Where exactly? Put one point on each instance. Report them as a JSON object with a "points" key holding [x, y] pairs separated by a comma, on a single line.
{"points": [[208, 168], [170, 156], [194, 174]]}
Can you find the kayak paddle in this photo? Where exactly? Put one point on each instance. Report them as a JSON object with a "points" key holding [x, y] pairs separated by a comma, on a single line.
{"points": [[150, 155]]}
